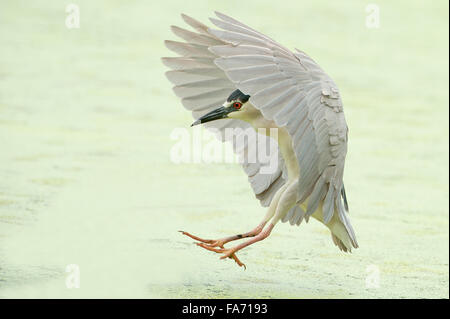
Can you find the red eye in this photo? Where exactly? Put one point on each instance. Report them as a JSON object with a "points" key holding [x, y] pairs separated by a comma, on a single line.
{"points": [[237, 105]]}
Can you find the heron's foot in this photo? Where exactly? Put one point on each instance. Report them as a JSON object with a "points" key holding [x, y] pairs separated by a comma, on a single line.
{"points": [[221, 242], [227, 253], [208, 242]]}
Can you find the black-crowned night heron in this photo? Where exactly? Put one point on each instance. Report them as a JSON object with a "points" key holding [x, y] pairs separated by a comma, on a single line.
{"points": [[265, 85]]}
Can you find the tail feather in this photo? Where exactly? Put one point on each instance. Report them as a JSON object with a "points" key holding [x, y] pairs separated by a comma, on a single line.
{"points": [[339, 243], [343, 218], [342, 232]]}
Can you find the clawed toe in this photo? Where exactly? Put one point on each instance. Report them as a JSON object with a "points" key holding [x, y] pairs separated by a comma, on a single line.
{"points": [[211, 247], [206, 241], [216, 246], [230, 254], [227, 253]]}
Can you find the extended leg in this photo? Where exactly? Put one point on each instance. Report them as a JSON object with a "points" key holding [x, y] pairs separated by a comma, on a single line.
{"points": [[221, 242], [211, 244], [285, 202]]}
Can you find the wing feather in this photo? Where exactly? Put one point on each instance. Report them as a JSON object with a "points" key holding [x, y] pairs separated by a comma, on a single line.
{"points": [[303, 98], [189, 50], [203, 86]]}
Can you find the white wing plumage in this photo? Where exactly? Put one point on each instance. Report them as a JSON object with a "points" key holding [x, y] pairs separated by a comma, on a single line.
{"points": [[202, 87]]}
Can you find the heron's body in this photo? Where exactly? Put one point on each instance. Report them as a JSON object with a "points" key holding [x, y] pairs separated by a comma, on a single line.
{"points": [[254, 117], [256, 120], [267, 86]]}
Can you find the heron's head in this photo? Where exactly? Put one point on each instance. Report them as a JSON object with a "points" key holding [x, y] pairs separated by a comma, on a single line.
{"points": [[232, 108]]}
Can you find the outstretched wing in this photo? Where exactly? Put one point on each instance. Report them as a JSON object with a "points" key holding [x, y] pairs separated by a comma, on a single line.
{"points": [[292, 90], [202, 87]]}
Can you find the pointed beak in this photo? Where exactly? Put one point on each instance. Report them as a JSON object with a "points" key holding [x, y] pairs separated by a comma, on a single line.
{"points": [[216, 114]]}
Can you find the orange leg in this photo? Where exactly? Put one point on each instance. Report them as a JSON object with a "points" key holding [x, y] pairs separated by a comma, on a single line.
{"points": [[221, 242], [231, 252], [210, 244], [261, 236]]}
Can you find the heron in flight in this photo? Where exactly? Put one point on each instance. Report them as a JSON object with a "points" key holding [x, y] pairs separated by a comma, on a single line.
{"points": [[237, 77]]}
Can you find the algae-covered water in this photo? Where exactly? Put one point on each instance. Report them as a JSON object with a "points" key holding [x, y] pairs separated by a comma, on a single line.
{"points": [[89, 197]]}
